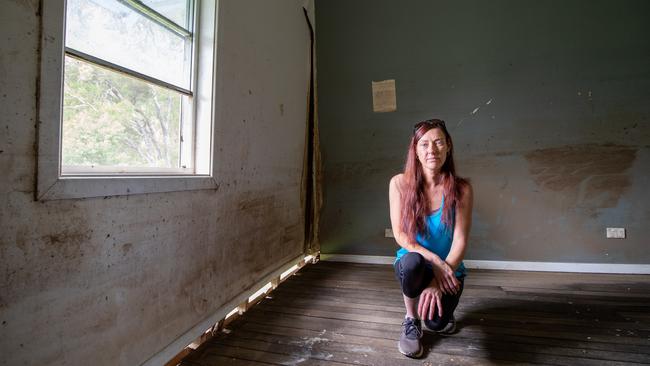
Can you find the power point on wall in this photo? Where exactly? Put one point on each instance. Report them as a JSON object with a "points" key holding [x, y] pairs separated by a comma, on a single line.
{"points": [[388, 233], [615, 233]]}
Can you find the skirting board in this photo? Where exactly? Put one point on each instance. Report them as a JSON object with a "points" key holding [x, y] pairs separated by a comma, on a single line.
{"points": [[181, 342], [509, 265]]}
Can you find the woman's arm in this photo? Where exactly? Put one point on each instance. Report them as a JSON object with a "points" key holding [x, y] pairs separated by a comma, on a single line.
{"points": [[462, 226], [395, 200], [444, 273]]}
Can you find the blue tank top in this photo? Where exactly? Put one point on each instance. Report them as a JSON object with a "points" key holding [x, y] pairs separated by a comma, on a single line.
{"points": [[438, 239]]}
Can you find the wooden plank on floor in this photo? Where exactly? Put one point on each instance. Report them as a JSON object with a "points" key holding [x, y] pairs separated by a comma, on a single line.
{"points": [[520, 313], [470, 290]]}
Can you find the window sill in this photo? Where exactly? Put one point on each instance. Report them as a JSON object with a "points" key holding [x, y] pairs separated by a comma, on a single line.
{"points": [[86, 187]]}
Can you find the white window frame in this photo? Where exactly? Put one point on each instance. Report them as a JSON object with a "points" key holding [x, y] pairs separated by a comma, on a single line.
{"points": [[52, 185]]}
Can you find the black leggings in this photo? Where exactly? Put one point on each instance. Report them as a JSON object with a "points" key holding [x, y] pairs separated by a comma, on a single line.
{"points": [[415, 274]]}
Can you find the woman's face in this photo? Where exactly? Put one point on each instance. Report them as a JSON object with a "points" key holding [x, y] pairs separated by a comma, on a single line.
{"points": [[432, 149]]}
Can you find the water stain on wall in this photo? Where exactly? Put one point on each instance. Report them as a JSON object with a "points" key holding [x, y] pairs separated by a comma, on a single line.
{"points": [[261, 214], [45, 255], [31, 5], [594, 175], [126, 248], [264, 234], [253, 202], [196, 288], [363, 168]]}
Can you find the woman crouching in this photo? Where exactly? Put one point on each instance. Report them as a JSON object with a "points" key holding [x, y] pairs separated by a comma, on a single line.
{"points": [[431, 213]]}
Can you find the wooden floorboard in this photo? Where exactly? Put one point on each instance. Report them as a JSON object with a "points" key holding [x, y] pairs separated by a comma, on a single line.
{"points": [[350, 314]]}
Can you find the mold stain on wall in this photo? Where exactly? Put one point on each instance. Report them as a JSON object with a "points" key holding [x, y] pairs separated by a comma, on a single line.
{"points": [[590, 175], [268, 229]]}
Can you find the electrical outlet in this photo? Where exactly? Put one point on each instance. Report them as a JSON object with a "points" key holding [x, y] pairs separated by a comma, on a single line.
{"points": [[615, 233], [388, 233]]}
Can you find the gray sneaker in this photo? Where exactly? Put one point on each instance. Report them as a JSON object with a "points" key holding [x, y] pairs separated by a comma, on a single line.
{"points": [[450, 328], [409, 341]]}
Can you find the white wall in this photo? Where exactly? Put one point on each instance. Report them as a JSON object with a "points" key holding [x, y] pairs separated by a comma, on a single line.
{"points": [[113, 281]]}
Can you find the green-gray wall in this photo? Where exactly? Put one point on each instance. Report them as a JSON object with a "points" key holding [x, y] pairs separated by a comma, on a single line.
{"points": [[548, 103]]}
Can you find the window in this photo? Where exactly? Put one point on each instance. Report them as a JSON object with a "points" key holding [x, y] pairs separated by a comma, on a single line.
{"points": [[126, 97]]}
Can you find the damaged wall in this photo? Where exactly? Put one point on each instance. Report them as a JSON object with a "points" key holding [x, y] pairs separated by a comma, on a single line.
{"points": [[547, 103], [113, 281]]}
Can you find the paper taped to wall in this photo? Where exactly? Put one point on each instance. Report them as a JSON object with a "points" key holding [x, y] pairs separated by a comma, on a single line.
{"points": [[383, 96]]}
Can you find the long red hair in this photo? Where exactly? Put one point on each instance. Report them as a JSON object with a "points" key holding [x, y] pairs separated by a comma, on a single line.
{"points": [[415, 205]]}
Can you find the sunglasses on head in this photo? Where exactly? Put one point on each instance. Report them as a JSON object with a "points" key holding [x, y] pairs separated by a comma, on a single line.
{"points": [[430, 122]]}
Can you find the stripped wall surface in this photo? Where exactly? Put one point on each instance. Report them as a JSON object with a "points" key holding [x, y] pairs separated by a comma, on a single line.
{"points": [[547, 103], [112, 281]]}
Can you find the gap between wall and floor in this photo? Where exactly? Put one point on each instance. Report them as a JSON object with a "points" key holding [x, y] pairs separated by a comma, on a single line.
{"points": [[173, 354]]}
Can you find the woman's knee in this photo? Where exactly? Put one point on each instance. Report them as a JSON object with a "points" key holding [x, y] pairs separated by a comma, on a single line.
{"points": [[410, 290], [412, 261], [412, 274]]}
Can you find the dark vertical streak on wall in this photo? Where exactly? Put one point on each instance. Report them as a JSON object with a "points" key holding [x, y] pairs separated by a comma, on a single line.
{"points": [[309, 174], [37, 98]]}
